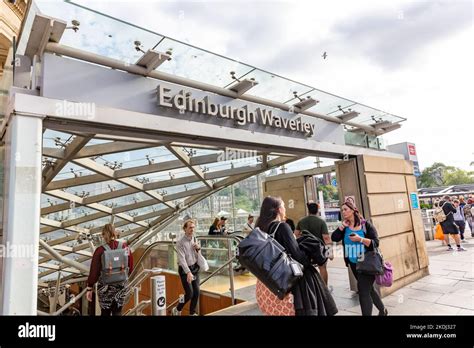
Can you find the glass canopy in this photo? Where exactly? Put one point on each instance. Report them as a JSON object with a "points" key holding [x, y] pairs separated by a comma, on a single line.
{"points": [[101, 34], [139, 188]]}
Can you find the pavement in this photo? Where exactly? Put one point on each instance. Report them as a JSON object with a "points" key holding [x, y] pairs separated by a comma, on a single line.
{"points": [[448, 290]]}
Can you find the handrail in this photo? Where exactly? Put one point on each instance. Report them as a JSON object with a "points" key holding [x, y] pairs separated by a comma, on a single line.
{"points": [[143, 304], [66, 306], [206, 279]]}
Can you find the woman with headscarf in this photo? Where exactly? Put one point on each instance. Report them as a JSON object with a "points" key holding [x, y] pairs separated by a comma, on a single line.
{"points": [[359, 236]]}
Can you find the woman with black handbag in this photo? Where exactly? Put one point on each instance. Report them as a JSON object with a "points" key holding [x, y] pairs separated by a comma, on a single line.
{"points": [[310, 294], [359, 240]]}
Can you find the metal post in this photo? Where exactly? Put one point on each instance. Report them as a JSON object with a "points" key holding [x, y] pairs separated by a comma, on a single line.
{"points": [[158, 295], [52, 308], [259, 189], [233, 205], [136, 296], [231, 271], [19, 279]]}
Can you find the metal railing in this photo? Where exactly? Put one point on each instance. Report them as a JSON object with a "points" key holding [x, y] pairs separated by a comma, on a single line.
{"points": [[140, 306]]}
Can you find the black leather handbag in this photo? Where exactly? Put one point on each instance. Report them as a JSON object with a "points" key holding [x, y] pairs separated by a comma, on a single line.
{"points": [[265, 258], [371, 263]]}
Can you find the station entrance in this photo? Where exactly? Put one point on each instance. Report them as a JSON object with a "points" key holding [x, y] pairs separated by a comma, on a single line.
{"points": [[90, 139]]}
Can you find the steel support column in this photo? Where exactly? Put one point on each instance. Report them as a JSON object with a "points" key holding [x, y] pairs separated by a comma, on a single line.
{"points": [[19, 278]]}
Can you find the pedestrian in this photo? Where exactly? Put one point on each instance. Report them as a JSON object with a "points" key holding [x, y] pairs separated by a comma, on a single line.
{"points": [[448, 225], [214, 229], [318, 228], [188, 270], [310, 295], [111, 283], [249, 225], [358, 237], [459, 218], [469, 214]]}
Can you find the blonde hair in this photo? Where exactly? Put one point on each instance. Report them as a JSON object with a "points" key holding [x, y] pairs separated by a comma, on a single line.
{"points": [[185, 224], [109, 233]]}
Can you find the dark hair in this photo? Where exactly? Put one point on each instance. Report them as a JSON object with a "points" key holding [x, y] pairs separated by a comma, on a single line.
{"points": [[291, 224], [312, 208], [357, 217], [268, 212]]}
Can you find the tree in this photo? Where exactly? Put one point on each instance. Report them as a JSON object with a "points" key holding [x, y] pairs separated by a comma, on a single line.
{"points": [[329, 192], [458, 177], [439, 174]]}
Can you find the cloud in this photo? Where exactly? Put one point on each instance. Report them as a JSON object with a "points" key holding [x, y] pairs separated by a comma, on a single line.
{"points": [[391, 39]]}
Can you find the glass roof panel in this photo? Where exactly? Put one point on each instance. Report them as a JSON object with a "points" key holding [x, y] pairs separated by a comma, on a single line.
{"points": [[52, 138], [99, 33], [126, 200], [47, 200], [96, 188], [274, 87], [137, 158], [328, 103], [199, 65]]}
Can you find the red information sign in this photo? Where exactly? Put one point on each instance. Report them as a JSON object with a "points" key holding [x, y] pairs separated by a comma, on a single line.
{"points": [[412, 150]]}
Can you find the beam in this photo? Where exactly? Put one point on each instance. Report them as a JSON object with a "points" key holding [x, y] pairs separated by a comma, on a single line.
{"points": [[186, 160], [50, 171], [100, 149]]}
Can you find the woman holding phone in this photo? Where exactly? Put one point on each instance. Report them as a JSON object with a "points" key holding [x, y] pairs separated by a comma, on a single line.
{"points": [[359, 236]]}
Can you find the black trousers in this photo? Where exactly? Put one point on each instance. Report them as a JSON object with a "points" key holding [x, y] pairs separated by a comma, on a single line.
{"points": [[462, 227], [368, 296], [113, 310], [191, 292]]}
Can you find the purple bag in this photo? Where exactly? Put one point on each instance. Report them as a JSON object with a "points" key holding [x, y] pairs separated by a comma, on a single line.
{"points": [[385, 279]]}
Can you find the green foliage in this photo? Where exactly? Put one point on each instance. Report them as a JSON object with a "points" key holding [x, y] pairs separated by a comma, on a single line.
{"points": [[330, 192], [439, 174], [425, 206]]}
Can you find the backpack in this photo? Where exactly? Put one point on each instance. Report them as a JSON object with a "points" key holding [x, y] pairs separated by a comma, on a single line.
{"points": [[114, 264], [468, 210], [439, 214], [265, 258]]}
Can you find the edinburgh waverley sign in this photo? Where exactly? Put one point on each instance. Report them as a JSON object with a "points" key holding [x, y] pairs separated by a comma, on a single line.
{"points": [[242, 115]]}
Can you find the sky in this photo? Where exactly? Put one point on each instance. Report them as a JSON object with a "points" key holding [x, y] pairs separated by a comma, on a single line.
{"points": [[409, 58]]}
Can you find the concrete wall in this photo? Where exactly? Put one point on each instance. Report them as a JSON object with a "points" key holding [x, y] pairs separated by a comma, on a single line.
{"points": [[383, 197]]}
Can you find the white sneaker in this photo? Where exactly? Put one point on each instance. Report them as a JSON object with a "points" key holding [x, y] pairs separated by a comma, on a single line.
{"points": [[461, 249], [175, 312], [464, 241], [194, 315]]}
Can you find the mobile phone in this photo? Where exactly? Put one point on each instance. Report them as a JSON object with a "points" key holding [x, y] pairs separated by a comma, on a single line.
{"points": [[352, 234]]}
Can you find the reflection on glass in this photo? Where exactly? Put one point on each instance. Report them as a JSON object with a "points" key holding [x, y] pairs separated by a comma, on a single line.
{"points": [[356, 139]]}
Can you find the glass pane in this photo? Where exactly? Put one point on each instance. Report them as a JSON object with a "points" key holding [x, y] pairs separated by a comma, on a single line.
{"points": [[99, 33], [357, 139], [199, 65], [274, 87]]}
